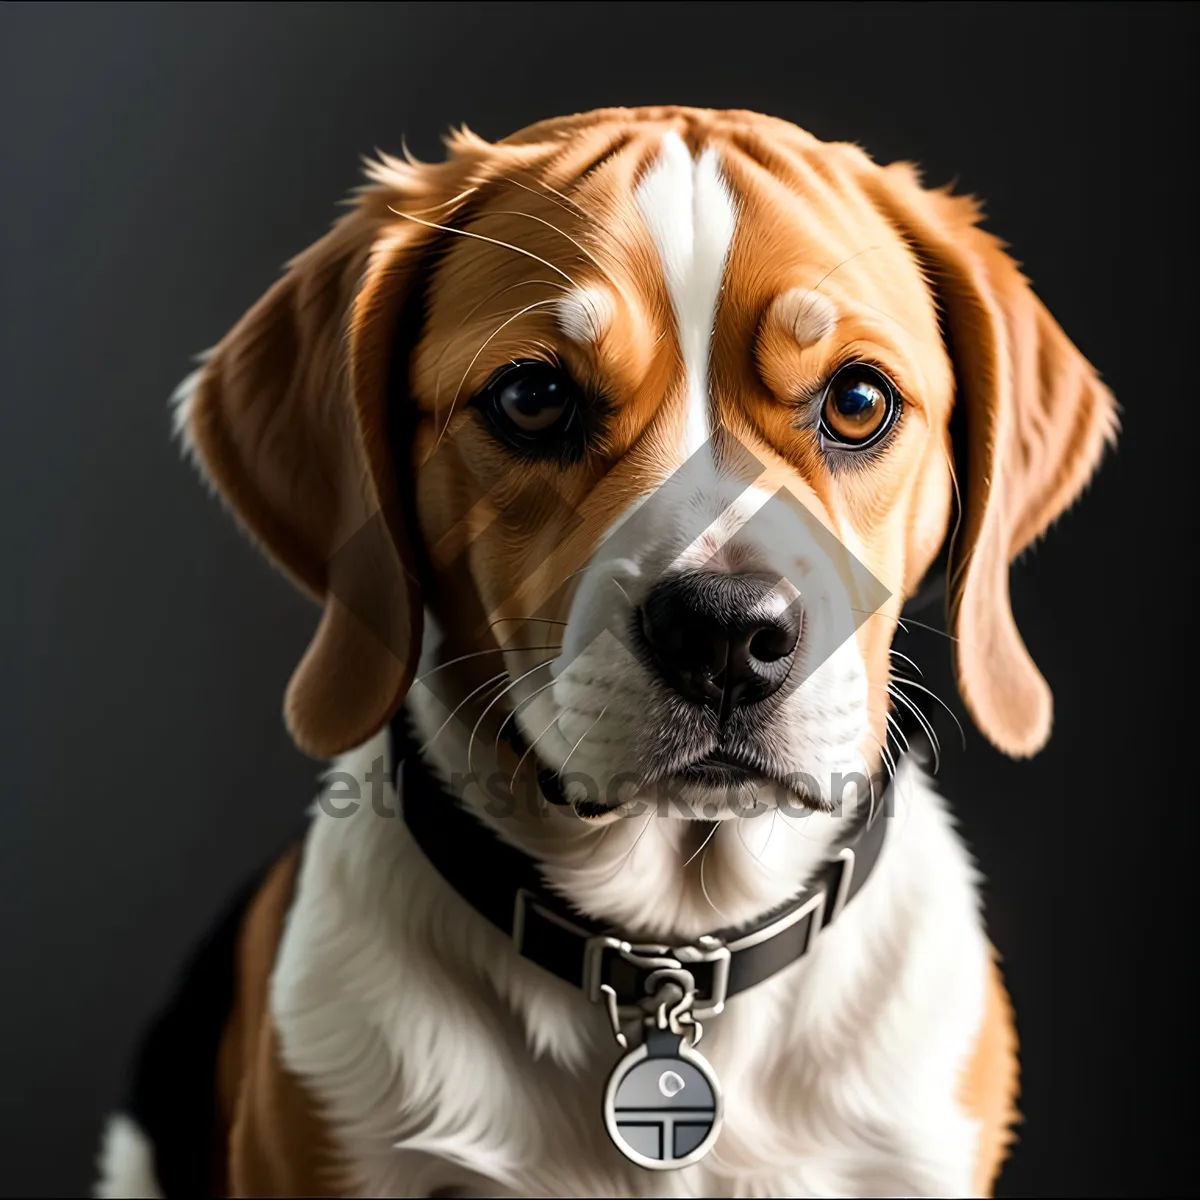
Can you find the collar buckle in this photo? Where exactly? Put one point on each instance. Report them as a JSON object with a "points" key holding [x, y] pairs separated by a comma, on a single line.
{"points": [[652, 957]]}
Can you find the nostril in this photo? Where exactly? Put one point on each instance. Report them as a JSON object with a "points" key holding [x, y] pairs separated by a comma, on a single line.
{"points": [[773, 642]]}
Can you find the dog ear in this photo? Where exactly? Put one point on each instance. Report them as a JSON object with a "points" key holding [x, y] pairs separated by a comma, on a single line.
{"points": [[292, 417], [289, 417], [1036, 419]]}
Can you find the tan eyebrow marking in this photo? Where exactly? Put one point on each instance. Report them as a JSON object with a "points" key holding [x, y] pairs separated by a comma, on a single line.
{"points": [[805, 315], [586, 314]]}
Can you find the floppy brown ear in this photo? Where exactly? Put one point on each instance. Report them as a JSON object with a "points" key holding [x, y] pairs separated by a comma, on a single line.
{"points": [[1037, 419], [289, 417]]}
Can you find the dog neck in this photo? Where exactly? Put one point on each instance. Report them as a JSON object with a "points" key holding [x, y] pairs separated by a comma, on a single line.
{"points": [[658, 872]]}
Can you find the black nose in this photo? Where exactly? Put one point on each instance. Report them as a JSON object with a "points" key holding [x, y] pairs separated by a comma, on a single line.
{"points": [[721, 640]]}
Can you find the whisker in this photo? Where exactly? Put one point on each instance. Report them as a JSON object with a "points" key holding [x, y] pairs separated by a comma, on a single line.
{"points": [[742, 839], [897, 654], [770, 835], [888, 761], [495, 332], [704, 890], [787, 824], [543, 620], [715, 826], [550, 192], [495, 679], [931, 628], [766, 842], [445, 203], [925, 724], [517, 708], [479, 654], [580, 571], [467, 233], [512, 212], [450, 340], [890, 758], [921, 687], [633, 846], [906, 622], [496, 700], [528, 750], [871, 784], [898, 733], [551, 592], [870, 777], [579, 743], [624, 593], [844, 262]]}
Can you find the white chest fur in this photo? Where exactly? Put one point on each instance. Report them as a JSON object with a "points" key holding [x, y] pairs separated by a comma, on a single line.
{"points": [[447, 1063]]}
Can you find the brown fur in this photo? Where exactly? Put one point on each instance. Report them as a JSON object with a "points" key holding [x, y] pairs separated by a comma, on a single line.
{"points": [[292, 413], [991, 1083], [291, 417], [273, 1140]]}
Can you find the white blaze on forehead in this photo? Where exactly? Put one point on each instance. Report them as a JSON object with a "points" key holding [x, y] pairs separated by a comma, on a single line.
{"points": [[585, 314], [690, 214]]}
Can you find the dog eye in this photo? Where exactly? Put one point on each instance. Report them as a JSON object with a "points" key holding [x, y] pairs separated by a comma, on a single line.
{"points": [[530, 401], [861, 404]]}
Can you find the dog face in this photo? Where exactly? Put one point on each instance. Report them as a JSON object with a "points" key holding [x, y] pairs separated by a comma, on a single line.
{"points": [[652, 364], [651, 409]]}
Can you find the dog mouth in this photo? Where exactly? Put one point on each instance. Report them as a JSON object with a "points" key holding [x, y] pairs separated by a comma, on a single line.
{"points": [[722, 769], [734, 777], [718, 769]]}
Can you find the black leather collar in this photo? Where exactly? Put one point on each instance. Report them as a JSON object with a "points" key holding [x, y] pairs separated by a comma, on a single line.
{"points": [[506, 886]]}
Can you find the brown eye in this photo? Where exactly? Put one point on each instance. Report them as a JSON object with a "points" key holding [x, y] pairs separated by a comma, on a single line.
{"points": [[534, 407], [861, 405], [533, 397]]}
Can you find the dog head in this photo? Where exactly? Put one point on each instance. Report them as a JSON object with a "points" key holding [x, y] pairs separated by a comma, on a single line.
{"points": [[650, 411]]}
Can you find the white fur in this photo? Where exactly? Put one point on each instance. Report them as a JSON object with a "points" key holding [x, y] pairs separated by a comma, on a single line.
{"points": [[126, 1162], [181, 412], [444, 1061], [585, 314], [604, 705], [691, 217]]}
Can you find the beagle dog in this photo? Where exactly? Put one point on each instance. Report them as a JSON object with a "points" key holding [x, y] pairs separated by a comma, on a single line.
{"points": [[614, 452]]}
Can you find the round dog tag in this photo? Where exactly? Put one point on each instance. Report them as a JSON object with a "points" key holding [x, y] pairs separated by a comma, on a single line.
{"points": [[662, 1106]]}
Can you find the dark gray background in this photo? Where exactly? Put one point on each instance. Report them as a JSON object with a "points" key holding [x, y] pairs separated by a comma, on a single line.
{"points": [[161, 162]]}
